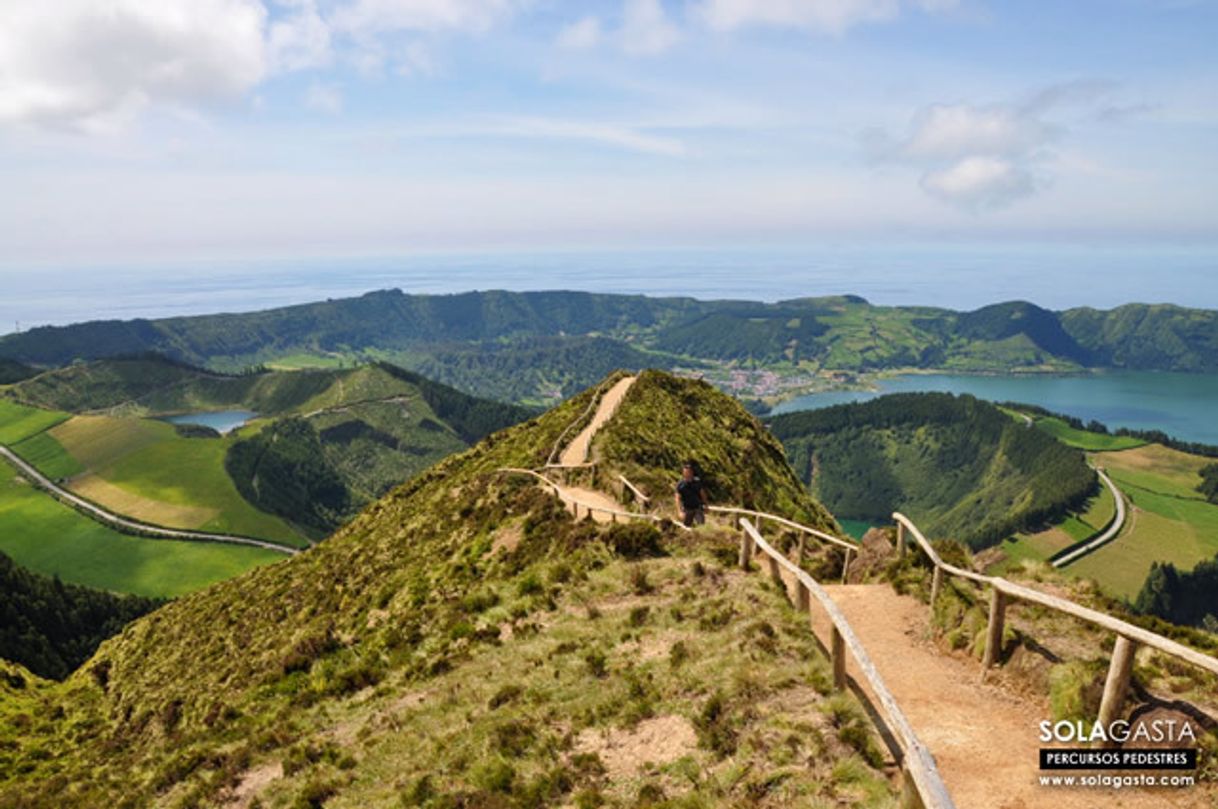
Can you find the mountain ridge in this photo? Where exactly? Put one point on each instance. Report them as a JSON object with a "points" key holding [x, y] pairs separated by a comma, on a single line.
{"points": [[481, 340]]}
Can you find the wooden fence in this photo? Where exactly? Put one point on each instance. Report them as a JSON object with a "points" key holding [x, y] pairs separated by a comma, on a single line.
{"points": [[849, 549], [1002, 592], [924, 786]]}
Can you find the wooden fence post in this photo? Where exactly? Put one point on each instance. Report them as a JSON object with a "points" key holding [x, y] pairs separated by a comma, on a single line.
{"points": [[901, 540], [993, 633], [935, 583], [775, 570], [837, 654], [846, 567], [803, 598], [1118, 680], [746, 549]]}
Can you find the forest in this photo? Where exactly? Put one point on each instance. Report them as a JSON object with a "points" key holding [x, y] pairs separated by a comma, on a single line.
{"points": [[51, 627], [959, 466], [1189, 598]]}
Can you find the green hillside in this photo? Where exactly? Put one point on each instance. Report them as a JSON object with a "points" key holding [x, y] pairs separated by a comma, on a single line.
{"points": [[12, 371], [368, 428], [536, 347], [469, 603], [51, 627], [961, 468]]}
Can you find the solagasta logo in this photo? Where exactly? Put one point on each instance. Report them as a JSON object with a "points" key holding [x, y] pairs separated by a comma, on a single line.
{"points": [[1120, 731]]}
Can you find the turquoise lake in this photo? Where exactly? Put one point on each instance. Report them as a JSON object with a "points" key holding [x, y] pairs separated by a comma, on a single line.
{"points": [[1182, 405], [222, 421]]}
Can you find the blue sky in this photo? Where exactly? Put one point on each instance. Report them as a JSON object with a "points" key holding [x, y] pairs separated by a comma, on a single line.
{"points": [[150, 130]]}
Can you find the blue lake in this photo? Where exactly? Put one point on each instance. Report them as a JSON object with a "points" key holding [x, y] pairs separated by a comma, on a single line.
{"points": [[222, 421], [1182, 405]]}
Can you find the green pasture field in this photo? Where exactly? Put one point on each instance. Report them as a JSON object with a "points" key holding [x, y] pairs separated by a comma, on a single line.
{"points": [[18, 422], [1085, 439], [151, 460], [50, 538]]}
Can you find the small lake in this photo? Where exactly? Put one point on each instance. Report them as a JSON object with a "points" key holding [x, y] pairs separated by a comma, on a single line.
{"points": [[222, 421], [1184, 406], [855, 528]]}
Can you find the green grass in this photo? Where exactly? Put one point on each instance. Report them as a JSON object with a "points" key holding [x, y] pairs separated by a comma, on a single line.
{"points": [[48, 456], [50, 538], [148, 458], [1168, 523], [296, 362], [1084, 439], [18, 422]]}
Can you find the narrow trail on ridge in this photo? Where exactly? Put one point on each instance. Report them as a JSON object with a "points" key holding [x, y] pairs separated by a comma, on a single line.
{"points": [[576, 452]]}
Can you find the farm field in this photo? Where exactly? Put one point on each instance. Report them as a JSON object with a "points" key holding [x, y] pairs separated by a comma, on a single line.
{"points": [[1169, 520], [144, 469], [1083, 439], [82, 551]]}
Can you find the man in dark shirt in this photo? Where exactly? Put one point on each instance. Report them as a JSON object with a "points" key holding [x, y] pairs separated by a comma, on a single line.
{"points": [[691, 497]]}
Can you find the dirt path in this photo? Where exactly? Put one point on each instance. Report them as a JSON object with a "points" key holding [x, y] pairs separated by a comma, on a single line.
{"points": [[577, 451], [583, 498], [984, 738]]}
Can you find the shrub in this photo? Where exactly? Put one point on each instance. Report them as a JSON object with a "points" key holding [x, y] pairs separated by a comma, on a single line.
{"points": [[634, 540], [714, 726], [508, 693]]}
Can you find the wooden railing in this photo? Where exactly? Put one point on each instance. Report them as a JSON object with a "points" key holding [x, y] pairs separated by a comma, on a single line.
{"points": [[576, 504], [1003, 591], [924, 785], [640, 498], [848, 548]]}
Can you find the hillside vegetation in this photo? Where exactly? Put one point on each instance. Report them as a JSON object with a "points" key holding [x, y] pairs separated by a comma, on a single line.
{"points": [[960, 467], [539, 346], [11, 371], [337, 439], [51, 627], [549, 660]]}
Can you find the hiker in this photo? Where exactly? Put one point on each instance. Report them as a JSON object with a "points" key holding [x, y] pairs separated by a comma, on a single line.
{"points": [[691, 497]]}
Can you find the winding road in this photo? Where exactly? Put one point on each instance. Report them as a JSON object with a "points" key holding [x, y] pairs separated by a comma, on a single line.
{"points": [[1118, 522], [125, 524]]}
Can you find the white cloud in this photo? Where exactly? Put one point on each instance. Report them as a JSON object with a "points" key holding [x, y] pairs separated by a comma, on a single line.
{"points": [[379, 16], [986, 157], [581, 34], [301, 40], [646, 29], [321, 97], [957, 130], [980, 182], [92, 64], [822, 16], [623, 137]]}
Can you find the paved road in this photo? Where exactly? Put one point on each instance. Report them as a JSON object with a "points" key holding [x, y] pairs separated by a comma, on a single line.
{"points": [[122, 523], [1109, 534]]}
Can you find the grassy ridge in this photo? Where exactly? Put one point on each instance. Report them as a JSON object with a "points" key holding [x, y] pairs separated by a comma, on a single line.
{"points": [[412, 598]]}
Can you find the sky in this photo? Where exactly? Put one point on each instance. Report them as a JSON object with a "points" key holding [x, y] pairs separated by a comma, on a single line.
{"points": [[156, 130]]}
